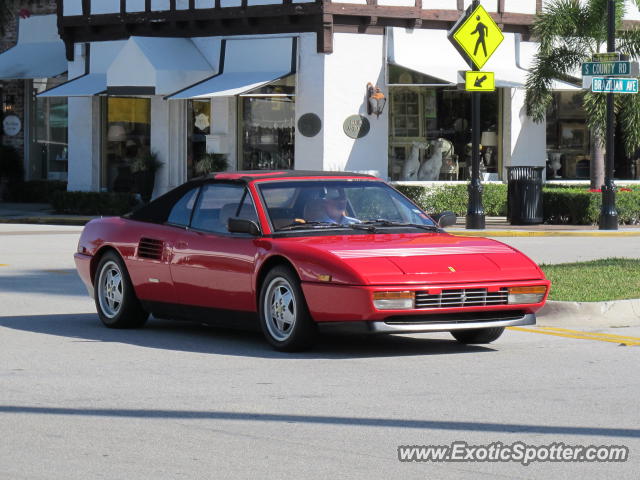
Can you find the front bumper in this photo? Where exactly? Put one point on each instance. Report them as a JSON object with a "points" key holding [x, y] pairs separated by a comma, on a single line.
{"points": [[426, 326]]}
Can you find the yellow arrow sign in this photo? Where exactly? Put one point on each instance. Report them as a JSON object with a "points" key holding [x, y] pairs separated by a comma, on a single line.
{"points": [[480, 81], [478, 36]]}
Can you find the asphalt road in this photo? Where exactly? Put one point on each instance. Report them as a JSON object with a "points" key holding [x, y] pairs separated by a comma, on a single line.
{"points": [[172, 400]]}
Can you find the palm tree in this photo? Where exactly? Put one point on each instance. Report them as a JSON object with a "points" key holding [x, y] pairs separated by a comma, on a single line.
{"points": [[570, 32]]}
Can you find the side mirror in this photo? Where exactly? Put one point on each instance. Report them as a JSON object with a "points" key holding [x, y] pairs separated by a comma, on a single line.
{"points": [[445, 219], [242, 225]]}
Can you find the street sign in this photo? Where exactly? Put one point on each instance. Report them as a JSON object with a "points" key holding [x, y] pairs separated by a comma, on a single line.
{"points": [[480, 81], [476, 36], [614, 85], [609, 57], [610, 68]]}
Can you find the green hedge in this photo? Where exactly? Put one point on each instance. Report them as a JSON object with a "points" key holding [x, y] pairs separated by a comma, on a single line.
{"points": [[35, 191], [568, 205], [93, 203], [456, 198]]}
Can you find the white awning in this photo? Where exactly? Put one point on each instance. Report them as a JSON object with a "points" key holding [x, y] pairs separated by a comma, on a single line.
{"points": [[156, 66], [245, 65], [430, 53], [86, 85], [39, 52]]}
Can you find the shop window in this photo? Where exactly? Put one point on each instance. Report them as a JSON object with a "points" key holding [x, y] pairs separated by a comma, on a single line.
{"points": [[127, 142], [49, 137], [568, 139], [430, 134], [267, 119], [199, 114]]}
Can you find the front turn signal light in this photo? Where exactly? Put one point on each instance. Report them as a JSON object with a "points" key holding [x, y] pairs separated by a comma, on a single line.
{"points": [[394, 300], [520, 295]]}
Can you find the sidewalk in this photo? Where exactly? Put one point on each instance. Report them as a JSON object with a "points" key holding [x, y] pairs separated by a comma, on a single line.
{"points": [[37, 213], [42, 214]]}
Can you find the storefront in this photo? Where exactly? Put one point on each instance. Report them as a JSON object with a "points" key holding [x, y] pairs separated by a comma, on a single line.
{"points": [[297, 98], [36, 128]]}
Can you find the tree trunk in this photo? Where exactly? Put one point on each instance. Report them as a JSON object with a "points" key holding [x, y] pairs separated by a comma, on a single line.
{"points": [[597, 160]]}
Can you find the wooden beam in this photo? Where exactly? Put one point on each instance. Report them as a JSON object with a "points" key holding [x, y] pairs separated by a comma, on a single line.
{"points": [[325, 35]]}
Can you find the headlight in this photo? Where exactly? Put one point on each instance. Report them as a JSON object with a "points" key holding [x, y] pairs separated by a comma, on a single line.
{"points": [[394, 300], [527, 294]]}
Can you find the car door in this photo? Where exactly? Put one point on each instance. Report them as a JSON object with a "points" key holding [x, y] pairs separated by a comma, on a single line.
{"points": [[211, 267], [149, 268]]}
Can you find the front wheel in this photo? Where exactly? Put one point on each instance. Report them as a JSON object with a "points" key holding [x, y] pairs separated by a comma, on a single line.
{"points": [[480, 335], [116, 301], [284, 317]]}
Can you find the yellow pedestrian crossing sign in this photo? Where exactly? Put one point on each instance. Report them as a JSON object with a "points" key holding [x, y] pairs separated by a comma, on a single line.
{"points": [[476, 36], [480, 81]]}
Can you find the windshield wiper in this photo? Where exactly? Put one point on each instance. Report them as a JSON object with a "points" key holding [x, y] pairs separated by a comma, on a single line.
{"points": [[306, 225], [381, 222]]}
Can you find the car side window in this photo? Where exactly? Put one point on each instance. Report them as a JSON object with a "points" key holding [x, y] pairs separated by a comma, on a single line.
{"points": [[218, 203], [180, 214]]}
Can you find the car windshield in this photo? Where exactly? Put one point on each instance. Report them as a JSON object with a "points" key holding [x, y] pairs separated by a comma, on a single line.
{"points": [[339, 204]]}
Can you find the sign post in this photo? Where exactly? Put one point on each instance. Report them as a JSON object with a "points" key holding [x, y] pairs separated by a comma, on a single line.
{"points": [[476, 37], [608, 214]]}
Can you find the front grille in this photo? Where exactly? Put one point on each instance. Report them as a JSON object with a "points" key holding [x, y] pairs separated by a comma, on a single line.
{"points": [[462, 297], [150, 248]]}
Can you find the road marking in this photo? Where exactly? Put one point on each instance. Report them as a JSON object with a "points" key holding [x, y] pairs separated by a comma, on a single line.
{"points": [[4, 264], [59, 272], [563, 332]]}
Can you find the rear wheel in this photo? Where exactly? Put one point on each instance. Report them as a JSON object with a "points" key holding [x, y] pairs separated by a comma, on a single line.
{"points": [[480, 335], [284, 317], [117, 304]]}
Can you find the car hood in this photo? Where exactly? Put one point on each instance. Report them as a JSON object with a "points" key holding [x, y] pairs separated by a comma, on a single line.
{"points": [[422, 258]]}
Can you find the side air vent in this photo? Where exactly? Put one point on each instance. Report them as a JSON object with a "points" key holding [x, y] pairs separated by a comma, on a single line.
{"points": [[150, 248]]}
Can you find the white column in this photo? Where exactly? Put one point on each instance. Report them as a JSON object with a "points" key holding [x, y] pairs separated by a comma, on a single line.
{"points": [[356, 60], [160, 143], [84, 144], [310, 96], [223, 132], [527, 142]]}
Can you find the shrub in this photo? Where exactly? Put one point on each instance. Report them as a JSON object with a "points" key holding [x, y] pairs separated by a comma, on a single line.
{"points": [[456, 198], [93, 203], [561, 204], [579, 206], [35, 191]]}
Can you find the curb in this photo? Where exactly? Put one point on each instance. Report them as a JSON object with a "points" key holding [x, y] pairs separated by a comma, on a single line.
{"points": [[79, 221], [552, 233], [615, 313]]}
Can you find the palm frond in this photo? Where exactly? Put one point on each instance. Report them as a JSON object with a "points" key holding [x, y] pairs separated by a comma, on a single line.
{"points": [[557, 63]]}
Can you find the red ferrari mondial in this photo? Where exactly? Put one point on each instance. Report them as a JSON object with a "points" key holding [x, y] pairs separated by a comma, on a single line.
{"points": [[301, 249]]}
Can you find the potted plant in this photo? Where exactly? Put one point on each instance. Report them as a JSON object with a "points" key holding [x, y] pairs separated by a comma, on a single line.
{"points": [[211, 162], [144, 170]]}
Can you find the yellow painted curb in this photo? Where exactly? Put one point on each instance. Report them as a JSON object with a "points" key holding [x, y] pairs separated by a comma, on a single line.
{"points": [[547, 233]]}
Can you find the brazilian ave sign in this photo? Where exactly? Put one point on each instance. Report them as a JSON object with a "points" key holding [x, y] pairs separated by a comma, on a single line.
{"points": [[614, 85], [476, 36]]}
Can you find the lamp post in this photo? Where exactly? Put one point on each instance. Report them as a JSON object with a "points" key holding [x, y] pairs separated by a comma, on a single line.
{"points": [[608, 214]]}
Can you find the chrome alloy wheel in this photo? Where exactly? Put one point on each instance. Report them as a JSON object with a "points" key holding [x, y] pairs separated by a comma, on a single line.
{"points": [[280, 309], [110, 289]]}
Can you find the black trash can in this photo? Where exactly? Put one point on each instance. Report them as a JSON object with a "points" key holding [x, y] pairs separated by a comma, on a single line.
{"points": [[524, 195]]}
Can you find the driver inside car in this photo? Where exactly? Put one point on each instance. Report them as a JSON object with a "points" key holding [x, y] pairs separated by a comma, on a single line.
{"points": [[329, 208]]}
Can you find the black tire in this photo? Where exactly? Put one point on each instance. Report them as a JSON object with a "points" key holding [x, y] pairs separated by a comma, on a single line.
{"points": [[283, 313], [116, 301], [480, 335]]}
